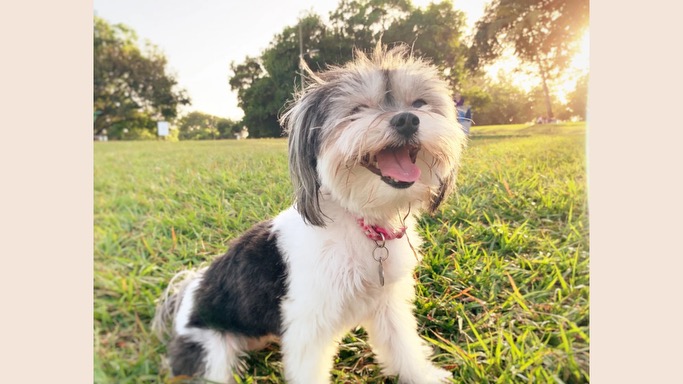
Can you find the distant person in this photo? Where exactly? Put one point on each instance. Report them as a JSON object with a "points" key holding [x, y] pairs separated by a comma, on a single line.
{"points": [[459, 100], [464, 113]]}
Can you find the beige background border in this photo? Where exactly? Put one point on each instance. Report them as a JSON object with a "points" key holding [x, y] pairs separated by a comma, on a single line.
{"points": [[635, 177], [46, 293]]}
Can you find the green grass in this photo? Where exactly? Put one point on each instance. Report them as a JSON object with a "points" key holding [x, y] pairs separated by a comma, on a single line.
{"points": [[503, 293]]}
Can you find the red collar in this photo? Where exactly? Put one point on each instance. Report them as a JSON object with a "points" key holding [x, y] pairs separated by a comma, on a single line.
{"points": [[377, 233]]}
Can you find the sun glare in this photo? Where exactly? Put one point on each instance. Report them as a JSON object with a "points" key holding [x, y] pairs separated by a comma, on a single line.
{"points": [[580, 61], [578, 67], [421, 3], [526, 77]]}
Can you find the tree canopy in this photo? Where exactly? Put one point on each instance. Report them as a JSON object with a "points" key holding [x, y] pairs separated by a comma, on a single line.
{"points": [[578, 99], [544, 33], [132, 87], [265, 84], [498, 102], [202, 126]]}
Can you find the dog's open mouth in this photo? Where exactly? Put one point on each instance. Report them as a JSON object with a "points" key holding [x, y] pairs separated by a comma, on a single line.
{"points": [[395, 165]]}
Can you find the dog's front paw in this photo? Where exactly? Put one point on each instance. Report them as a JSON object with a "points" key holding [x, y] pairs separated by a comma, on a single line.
{"points": [[429, 375], [437, 376]]}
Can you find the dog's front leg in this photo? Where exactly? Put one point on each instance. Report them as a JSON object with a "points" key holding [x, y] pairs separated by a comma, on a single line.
{"points": [[309, 338], [308, 348], [393, 336]]}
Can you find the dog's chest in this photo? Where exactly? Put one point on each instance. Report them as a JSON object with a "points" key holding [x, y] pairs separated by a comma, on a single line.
{"points": [[363, 260]]}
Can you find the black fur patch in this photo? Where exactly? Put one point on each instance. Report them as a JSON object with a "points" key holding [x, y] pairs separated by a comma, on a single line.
{"points": [[241, 291], [186, 357]]}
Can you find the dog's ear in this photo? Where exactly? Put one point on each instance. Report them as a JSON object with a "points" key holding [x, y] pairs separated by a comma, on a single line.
{"points": [[447, 184], [303, 122]]}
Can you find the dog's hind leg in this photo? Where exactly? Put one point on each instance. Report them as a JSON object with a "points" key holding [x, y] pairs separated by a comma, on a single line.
{"points": [[202, 352], [209, 354], [186, 357]]}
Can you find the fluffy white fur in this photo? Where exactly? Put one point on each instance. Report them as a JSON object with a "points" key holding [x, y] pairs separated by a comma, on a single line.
{"points": [[333, 288], [332, 280]]}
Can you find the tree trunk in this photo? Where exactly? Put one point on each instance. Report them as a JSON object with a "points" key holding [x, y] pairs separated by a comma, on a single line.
{"points": [[98, 124], [546, 91]]}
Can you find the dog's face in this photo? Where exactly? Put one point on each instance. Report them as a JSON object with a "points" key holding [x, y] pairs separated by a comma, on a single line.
{"points": [[376, 135]]}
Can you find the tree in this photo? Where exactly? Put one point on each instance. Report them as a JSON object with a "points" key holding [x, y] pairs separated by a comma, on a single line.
{"points": [[544, 33], [538, 104], [132, 89], [202, 126], [434, 32], [227, 128], [265, 84], [360, 24], [578, 99], [500, 102]]}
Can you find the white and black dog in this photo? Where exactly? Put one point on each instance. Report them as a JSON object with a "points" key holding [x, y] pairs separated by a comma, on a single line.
{"points": [[372, 144]]}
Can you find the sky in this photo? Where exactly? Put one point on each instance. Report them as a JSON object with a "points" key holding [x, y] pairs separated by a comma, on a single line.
{"points": [[200, 38]]}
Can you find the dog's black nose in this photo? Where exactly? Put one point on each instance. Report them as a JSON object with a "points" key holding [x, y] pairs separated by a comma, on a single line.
{"points": [[405, 123]]}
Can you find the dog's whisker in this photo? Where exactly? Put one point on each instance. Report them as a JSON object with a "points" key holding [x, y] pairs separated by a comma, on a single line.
{"points": [[371, 197], [348, 176]]}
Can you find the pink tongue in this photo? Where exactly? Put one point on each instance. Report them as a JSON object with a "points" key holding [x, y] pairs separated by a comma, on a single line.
{"points": [[396, 163]]}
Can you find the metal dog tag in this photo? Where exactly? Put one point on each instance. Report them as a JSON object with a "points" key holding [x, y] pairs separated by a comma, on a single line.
{"points": [[379, 254]]}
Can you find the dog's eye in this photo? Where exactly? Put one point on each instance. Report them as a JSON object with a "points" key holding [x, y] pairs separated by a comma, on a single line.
{"points": [[419, 103]]}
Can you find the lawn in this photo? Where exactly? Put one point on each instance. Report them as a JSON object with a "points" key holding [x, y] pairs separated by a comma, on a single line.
{"points": [[503, 293]]}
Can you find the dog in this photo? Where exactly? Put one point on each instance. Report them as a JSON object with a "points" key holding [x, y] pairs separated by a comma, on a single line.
{"points": [[372, 145]]}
